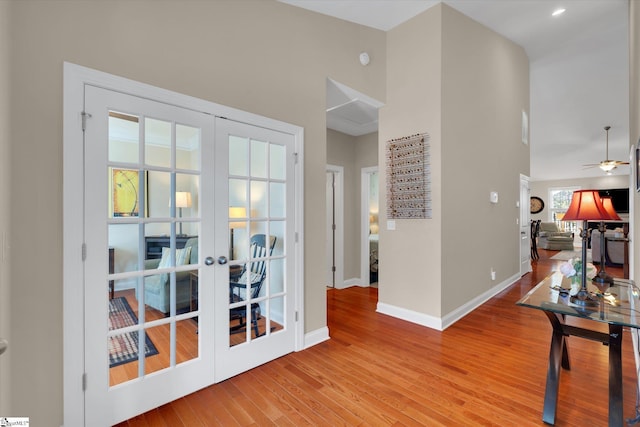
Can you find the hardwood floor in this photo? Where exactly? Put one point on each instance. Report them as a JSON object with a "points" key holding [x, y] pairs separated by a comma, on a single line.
{"points": [[487, 369]]}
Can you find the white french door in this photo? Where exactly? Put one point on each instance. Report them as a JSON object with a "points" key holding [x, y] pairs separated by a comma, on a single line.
{"points": [[258, 165], [148, 326], [173, 202]]}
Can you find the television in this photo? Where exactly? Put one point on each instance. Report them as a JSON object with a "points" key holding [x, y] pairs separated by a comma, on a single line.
{"points": [[619, 197]]}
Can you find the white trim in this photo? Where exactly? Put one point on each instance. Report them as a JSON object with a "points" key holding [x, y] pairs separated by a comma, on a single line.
{"points": [[75, 77], [316, 337], [365, 184], [355, 281], [339, 212], [467, 308], [443, 323]]}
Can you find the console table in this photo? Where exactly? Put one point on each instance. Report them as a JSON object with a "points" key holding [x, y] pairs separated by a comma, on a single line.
{"points": [[618, 311]]}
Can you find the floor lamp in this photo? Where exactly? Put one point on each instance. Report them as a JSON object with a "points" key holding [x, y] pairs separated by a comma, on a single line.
{"points": [[586, 205], [602, 277]]}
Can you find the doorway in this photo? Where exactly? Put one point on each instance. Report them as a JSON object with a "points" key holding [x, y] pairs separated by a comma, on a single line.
{"points": [[149, 187], [335, 226], [525, 226], [370, 227]]}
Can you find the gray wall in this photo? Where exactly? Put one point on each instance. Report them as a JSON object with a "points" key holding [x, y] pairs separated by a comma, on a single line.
{"points": [[260, 56], [541, 189], [5, 196]]}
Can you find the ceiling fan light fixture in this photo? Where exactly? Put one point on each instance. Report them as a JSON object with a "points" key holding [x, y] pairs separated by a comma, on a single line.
{"points": [[608, 165]]}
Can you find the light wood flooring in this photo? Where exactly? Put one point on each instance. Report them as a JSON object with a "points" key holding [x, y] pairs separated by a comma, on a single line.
{"points": [[488, 369]]}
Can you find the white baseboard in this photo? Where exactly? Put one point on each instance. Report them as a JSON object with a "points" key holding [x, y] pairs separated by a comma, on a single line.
{"points": [[467, 308], [316, 337], [443, 323], [410, 316], [356, 281]]}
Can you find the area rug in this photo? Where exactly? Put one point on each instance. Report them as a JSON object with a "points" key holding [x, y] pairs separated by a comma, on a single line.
{"points": [[567, 255], [123, 348]]}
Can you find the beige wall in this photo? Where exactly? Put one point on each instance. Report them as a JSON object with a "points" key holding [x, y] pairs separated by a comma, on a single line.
{"points": [[413, 106], [5, 195], [352, 153], [260, 56], [466, 86], [485, 88], [541, 189], [634, 117]]}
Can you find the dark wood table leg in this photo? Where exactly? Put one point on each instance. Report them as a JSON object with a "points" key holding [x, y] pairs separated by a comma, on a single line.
{"points": [[615, 376], [558, 357]]}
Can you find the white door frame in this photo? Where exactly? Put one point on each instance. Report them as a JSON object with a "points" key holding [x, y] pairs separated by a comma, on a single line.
{"points": [[75, 79], [339, 234], [365, 185]]}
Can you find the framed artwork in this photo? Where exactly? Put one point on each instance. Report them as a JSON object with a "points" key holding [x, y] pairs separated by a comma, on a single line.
{"points": [[125, 192]]}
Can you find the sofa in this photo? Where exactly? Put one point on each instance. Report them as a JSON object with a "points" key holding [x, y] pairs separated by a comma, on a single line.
{"points": [[615, 249], [156, 287], [551, 238]]}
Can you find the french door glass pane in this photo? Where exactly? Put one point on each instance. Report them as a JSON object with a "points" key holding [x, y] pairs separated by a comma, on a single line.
{"points": [[124, 135], [153, 235], [157, 142], [259, 199]]}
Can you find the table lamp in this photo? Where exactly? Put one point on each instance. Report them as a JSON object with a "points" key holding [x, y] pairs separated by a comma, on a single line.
{"points": [[585, 205], [183, 200], [602, 277]]}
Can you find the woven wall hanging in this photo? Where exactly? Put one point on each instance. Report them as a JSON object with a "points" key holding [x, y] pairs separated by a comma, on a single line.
{"points": [[408, 177]]}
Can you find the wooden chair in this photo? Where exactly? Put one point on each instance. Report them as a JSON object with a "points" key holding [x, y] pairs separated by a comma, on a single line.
{"points": [[249, 283]]}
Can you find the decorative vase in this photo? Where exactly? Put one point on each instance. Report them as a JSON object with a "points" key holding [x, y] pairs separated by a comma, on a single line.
{"points": [[575, 285]]}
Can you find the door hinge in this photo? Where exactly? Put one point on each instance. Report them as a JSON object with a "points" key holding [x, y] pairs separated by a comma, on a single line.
{"points": [[296, 236], [84, 382], [295, 158], [84, 251], [333, 268], [84, 115], [296, 316]]}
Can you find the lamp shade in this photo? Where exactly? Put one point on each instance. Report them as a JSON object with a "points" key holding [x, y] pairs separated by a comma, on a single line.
{"points": [[586, 205], [183, 199], [608, 206], [237, 212]]}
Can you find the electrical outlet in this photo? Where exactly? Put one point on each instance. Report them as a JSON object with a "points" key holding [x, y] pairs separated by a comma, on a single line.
{"points": [[493, 274]]}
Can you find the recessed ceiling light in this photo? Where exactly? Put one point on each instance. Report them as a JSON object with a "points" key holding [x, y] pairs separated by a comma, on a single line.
{"points": [[558, 12]]}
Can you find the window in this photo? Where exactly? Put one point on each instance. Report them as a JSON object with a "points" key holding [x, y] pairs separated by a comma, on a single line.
{"points": [[559, 200]]}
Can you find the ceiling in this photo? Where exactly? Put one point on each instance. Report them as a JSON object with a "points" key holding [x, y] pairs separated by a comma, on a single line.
{"points": [[578, 71]]}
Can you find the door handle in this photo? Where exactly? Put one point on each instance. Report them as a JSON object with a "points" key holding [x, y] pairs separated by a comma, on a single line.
{"points": [[209, 260], [3, 345], [222, 260]]}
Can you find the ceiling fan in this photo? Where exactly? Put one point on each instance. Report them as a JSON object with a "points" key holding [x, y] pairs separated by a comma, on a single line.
{"points": [[607, 165]]}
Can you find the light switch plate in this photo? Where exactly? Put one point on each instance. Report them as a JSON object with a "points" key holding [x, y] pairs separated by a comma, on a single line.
{"points": [[391, 225]]}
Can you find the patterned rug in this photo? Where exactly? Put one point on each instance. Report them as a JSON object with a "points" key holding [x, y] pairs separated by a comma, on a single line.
{"points": [[123, 348]]}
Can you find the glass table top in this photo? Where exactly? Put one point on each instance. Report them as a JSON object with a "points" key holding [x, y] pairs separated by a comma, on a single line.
{"points": [[620, 302]]}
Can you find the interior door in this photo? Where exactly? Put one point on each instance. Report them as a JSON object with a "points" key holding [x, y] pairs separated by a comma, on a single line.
{"points": [[149, 239], [525, 228], [257, 324]]}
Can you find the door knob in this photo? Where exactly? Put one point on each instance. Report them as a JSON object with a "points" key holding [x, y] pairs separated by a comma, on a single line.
{"points": [[209, 260], [222, 260], [3, 345]]}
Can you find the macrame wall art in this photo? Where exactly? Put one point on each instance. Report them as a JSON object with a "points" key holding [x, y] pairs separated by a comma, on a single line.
{"points": [[408, 177]]}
